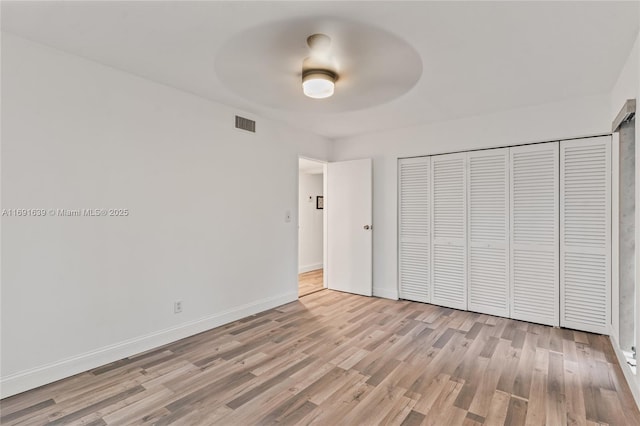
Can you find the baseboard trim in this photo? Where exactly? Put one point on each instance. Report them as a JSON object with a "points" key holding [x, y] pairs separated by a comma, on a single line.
{"points": [[628, 374], [30, 379], [385, 293], [309, 268]]}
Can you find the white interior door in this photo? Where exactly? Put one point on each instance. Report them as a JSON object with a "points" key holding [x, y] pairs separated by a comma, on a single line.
{"points": [[414, 229], [488, 251], [534, 227], [449, 231], [349, 226], [585, 230]]}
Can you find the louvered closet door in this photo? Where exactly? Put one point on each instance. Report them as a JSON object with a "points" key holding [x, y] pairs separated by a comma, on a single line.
{"points": [[585, 230], [488, 252], [414, 223], [448, 231], [534, 226]]}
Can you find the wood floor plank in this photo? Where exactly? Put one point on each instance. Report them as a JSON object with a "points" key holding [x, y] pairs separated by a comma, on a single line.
{"points": [[413, 419], [10, 416], [576, 412], [310, 282], [517, 412], [522, 381], [609, 408], [95, 406], [537, 400], [266, 385], [555, 405], [373, 407], [498, 409], [334, 409], [398, 414], [443, 411], [485, 392], [138, 409], [335, 358]]}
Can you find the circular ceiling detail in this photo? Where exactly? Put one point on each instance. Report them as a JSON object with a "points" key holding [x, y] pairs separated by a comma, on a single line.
{"points": [[264, 65]]}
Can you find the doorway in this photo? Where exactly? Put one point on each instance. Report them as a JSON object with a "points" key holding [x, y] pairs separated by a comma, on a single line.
{"points": [[311, 226]]}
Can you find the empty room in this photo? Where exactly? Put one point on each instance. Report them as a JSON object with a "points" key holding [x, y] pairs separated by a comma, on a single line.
{"points": [[319, 213]]}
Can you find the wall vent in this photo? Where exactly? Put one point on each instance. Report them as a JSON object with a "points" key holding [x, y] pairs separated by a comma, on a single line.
{"points": [[245, 124]]}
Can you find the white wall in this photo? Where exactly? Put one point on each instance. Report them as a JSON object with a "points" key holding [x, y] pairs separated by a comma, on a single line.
{"points": [[206, 225], [627, 84], [310, 229], [626, 87], [574, 118]]}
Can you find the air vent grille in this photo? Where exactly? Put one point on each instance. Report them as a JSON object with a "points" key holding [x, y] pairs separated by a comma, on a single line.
{"points": [[245, 124]]}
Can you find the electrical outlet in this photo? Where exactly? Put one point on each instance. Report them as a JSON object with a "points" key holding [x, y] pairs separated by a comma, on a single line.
{"points": [[177, 306]]}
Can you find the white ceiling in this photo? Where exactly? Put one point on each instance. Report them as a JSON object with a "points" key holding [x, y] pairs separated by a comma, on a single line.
{"points": [[477, 57], [310, 167]]}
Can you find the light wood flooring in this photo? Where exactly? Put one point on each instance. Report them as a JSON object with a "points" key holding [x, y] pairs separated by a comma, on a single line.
{"points": [[310, 282], [339, 359]]}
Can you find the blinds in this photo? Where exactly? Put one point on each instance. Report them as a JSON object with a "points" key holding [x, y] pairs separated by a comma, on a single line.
{"points": [[585, 224]]}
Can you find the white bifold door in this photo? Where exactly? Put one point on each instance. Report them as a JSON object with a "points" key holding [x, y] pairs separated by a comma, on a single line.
{"points": [[414, 225], [521, 232], [449, 230], [488, 251], [585, 229], [534, 233]]}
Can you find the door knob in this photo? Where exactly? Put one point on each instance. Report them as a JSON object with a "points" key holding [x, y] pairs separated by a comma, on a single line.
{"points": [[367, 227]]}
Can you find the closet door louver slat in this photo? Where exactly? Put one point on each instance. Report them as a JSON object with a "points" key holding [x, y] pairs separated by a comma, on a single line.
{"points": [[534, 258], [585, 230], [488, 262], [413, 229], [448, 231]]}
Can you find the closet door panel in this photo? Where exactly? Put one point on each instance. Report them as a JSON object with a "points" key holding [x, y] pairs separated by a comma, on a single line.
{"points": [[448, 231], [488, 251], [534, 233], [585, 230], [413, 229]]}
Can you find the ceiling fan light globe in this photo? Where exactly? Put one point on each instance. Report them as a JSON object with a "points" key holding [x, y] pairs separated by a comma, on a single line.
{"points": [[318, 85]]}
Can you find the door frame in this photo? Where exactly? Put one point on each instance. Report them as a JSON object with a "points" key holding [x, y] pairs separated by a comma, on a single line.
{"points": [[325, 235], [325, 226]]}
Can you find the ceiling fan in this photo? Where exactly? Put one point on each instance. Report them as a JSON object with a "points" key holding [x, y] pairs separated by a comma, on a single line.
{"points": [[351, 65], [319, 73]]}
